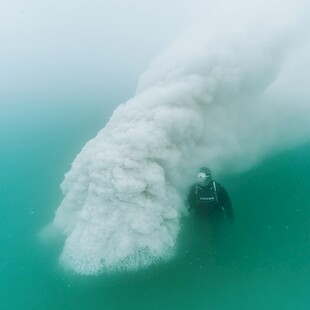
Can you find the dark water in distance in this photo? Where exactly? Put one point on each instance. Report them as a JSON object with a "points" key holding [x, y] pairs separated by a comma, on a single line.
{"points": [[262, 261]]}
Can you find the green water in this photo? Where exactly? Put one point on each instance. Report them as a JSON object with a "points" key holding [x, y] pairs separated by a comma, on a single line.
{"points": [[261, 262]]}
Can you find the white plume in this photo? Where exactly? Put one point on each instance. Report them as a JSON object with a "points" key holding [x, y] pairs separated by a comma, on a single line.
{"points": [[224, 94]]}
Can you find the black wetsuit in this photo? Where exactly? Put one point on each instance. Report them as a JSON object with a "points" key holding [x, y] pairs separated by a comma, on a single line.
{"points": [[210, 201]]}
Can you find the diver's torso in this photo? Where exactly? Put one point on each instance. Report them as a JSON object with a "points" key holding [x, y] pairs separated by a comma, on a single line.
{"points": [[207, 201]]}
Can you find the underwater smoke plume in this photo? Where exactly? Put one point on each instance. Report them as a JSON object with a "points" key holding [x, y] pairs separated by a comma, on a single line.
{"points": [[226, 93]]}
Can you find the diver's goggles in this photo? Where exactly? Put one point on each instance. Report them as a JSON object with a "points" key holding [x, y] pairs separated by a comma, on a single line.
{"points": [[201, 176]]}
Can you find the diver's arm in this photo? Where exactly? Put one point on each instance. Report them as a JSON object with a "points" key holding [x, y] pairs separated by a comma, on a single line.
{"points": [[228, 210], [191, 199], [226, 204]]}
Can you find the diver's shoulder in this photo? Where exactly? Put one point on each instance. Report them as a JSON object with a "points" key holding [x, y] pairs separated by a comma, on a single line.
{"points": [[219, 186], [193, 187]]}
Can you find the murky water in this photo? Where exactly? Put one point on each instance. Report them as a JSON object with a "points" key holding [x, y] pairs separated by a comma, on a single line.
{"points": [[262, 261]]}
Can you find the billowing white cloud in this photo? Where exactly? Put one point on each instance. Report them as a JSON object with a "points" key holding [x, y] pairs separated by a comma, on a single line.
{"points": [[229, 91]]}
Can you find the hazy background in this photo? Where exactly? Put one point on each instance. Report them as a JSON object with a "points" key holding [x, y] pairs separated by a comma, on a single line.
{"points": [[64, 67], [61, 59]]}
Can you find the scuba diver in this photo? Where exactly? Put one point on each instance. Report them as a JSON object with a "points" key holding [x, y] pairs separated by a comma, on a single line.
{"points": [[208, 199]]}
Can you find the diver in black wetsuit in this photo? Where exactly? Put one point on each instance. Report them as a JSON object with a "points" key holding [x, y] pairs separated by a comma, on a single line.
{"points": [[208, 199]]}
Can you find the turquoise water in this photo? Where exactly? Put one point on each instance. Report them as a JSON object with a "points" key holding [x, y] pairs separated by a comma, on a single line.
{"points": [[261, 262]]}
